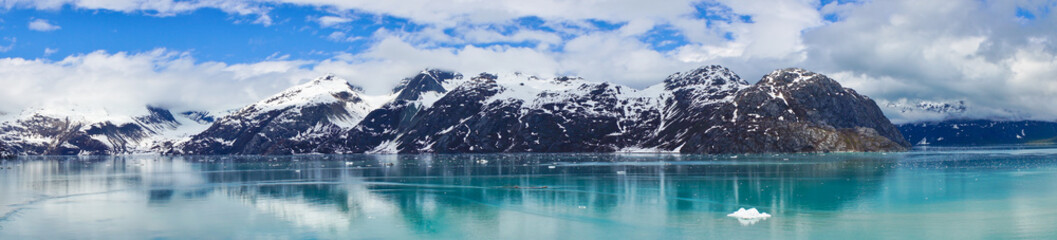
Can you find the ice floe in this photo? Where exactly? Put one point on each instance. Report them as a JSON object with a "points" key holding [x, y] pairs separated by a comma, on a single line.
{"points": [[749, 217]]}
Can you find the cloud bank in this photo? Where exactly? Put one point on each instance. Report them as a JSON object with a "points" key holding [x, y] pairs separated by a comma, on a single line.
{"points": [[997, 57]]}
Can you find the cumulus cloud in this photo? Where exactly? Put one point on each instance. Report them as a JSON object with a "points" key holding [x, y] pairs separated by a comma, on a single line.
{"points": [[981, 52], [123, 82], [42, 25]]}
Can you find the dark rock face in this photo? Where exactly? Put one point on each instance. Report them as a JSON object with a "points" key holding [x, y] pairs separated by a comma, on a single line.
{"points": [[793, 110], [199, 117], [439, 123], [696, 106], [592, 117], [431, 80], [966, 132]]}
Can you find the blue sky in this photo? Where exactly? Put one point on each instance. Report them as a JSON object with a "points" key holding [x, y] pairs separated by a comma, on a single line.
{"points": [[294, 31], [209, 34], [1000, 57]]}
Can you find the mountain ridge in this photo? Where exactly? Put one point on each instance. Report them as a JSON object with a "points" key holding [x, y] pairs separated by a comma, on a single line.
{"points": [[705, 110]]}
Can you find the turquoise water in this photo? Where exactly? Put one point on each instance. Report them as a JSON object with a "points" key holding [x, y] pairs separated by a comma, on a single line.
{"points": [[980, 193]]}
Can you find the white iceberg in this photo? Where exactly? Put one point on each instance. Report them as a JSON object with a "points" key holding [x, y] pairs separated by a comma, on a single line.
{"points": [[749, 217]]}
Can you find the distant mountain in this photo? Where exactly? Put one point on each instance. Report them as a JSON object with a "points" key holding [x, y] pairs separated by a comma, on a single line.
{"points": [[979, 132], [705, 110], [81, 132], [947, 108]]}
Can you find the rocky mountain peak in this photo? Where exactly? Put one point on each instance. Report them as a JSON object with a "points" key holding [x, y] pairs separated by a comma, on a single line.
{"points": [[486, 77], [429, 80], [793, 76], [157, 115], [713, 76], [567, 78]]}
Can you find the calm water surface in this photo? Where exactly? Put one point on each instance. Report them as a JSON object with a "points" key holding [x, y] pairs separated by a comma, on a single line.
{"points": [[981, 193]]}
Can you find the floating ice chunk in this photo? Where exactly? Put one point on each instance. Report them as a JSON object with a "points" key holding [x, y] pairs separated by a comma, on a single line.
{"points": [[751, 213], [749, 217]]}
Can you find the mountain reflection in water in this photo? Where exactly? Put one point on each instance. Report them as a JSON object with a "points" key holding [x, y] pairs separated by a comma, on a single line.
{"points": [[512, 196]]}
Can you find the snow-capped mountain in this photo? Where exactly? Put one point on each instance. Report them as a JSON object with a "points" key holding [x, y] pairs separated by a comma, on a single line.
{"points": [[520, 113], [942, 107], [705, 110], [322, 107], [94, 131], [794, 110], [916, 110], [381, 126]]}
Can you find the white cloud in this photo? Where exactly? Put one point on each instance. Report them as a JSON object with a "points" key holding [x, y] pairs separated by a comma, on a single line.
{"points": [[981, 51], [330, 21], [776, 28], [11, 43], [50, 51], [123, 82], [42, 25], [891, 50], [342, 37], [452, 12], [151, 7]]}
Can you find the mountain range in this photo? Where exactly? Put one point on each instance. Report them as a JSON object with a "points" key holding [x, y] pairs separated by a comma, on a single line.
{"points": [[956, 123], [705, 110], [980, 132]]}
